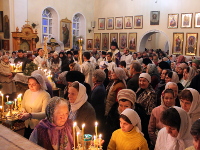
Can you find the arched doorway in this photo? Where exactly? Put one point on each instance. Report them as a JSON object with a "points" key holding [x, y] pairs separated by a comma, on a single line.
{"points": [[155, 39]]}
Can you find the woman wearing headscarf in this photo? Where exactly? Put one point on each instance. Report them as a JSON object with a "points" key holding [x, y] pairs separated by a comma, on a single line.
{"points": [[103, 65], [153, 72], [48, 84], [173, 77], [34, 103], [118, 76], [174, 87], [146, 95], [176, 133], [180, 59], [98, 95], [167, 101], [129, 136], [190, 102], [81, 110], [188, 74], [54, 132]]}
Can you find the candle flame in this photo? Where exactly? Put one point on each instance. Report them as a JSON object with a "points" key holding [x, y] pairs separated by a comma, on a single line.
{"points": [[100, 135], [96, 124], [1, 107], [74, 124], [15, 100], [78, 133], [83, 125]]}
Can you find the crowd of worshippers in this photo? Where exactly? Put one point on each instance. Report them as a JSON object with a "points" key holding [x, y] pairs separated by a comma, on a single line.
{"points": [[141, 100]]}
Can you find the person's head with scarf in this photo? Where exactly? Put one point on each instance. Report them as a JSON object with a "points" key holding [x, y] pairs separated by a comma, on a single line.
{"points": [[173, 86], [118, 74], [77, 95], [151, 69], [56, 126], [177, 125], [129, 119], [180, 59], [55, 59], [74, 67], [180, 68], [172, 77], [62, 56], [195, 132], [168, 98], [144, 80], [36, 83], [188, 74], [5, 59], [126, 99], [173, 66], [190, 101], [98, 76], [196, 63], [164, 73]]}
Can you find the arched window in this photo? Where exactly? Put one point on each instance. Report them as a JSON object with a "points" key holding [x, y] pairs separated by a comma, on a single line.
{"points": [[79, 25], [47, 23]]}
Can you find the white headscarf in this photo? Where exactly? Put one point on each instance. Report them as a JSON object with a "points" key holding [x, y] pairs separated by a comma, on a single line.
{"points": [[173, 83], [40, 80], [134, 118], [175, 77], [41, 73], [184, 131], [81, 98], [195, 107]]}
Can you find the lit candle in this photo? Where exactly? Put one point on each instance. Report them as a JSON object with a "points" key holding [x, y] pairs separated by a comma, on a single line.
{"points": [[100, 139], [78, 139], [15, 103], [96, 124], [0, 108], [83, 126], [7, 97], [74, 133], [94, 141]]}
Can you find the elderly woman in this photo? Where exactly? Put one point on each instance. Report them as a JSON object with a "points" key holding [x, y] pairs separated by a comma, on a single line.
{"points": [[190, 102], [54, 132], [81, 110], [188, 74], [98, 95], [168, 100], [118, 76], [176, 133], [6, 76], [129, 137], [34, 103], [146, 95]]}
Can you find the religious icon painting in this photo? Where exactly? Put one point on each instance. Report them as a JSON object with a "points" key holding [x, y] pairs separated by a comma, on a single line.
{"points": [[122, 40], [138, 22], [197, 20], [128, 22], [97, 40], [105, 41], [186, 20], [191, 44], [178, 39], [132, 41], [113, 37], [89, 44], [172, 21], [65, 33], [154, 17], [110, 23], [101, 24], [118, 22], [6, 44]]}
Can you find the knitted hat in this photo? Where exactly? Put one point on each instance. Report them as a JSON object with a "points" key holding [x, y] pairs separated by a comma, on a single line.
{"points": [[133, 117], [183, 66], [55, 53], [99, 74], [146, 76], [146, 61], [164, 65], [75, 76], [127, 94]]}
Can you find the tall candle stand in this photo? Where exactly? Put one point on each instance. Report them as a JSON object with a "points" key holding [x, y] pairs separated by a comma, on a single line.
{"points": [[80, 41]]}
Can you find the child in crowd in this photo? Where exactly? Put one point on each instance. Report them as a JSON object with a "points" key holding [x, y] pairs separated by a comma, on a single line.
{"points": [[129, 137]]}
